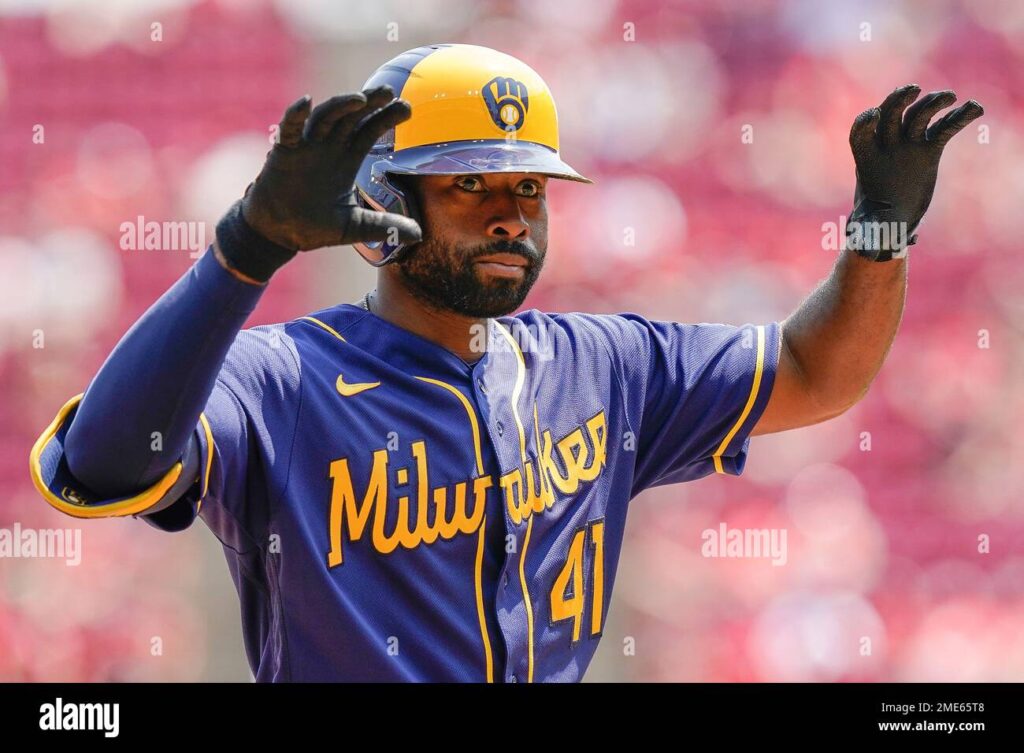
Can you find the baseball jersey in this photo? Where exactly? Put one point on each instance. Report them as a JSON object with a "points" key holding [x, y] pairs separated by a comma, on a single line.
{"points": [[390, 512]]}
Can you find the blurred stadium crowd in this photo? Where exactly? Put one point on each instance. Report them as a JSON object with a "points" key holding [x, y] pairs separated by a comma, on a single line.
{"points": [[883, 506]]}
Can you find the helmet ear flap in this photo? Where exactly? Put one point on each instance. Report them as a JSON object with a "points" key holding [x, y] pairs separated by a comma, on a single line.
{"points": [[386, 192], [407, 186]]}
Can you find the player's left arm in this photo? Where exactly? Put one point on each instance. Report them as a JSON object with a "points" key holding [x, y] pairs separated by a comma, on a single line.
{"points": [[834, 344]]}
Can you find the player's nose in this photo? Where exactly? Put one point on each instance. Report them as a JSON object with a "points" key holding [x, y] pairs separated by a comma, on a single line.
{"points": [[509, 224], [510, 227]]}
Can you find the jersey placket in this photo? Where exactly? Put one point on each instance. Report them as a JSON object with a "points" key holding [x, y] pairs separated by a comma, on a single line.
{"points": [[495, 380]]}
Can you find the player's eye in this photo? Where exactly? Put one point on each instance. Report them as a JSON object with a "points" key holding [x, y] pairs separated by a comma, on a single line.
{"points": [[529, 188], [471, 184]]}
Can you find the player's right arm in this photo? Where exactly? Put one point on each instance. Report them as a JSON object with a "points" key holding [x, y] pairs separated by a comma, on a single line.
{"points": [[128, 446]]}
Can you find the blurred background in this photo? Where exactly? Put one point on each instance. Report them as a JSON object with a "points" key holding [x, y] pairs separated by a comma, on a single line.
{"points": [[717, 131]]}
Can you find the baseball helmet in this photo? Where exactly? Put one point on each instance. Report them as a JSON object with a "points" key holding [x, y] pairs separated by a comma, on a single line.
{"points": [[474, 110]]}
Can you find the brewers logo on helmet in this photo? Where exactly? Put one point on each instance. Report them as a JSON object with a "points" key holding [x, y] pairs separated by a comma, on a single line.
{"points": [[474, 110]]}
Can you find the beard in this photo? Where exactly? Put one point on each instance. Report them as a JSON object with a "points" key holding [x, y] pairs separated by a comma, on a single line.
{"points": [[446, 277]]}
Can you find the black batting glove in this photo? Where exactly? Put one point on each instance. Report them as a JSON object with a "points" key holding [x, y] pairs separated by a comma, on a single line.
{"points": [[304, 197], [897, 155]]}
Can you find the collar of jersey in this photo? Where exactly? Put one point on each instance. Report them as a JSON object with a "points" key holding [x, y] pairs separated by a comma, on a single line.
{"points": [[403, 349]]}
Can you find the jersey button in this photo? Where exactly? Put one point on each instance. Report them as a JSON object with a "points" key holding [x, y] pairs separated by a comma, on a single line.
{"points": [[504, 581], [480, 384], [514, 679], [501, 429]]}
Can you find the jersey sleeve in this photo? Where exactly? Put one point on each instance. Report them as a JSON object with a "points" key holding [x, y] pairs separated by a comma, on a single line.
{"points": [[246, 426], [48, 468], [693, 393], [222, 441]]}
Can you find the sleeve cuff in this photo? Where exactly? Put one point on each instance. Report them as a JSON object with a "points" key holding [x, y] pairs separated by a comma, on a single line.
{"points": [[730, 454], [53, 479]]}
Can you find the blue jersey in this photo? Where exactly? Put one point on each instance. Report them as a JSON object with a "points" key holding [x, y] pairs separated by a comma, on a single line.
{"points": [[390, 512]]}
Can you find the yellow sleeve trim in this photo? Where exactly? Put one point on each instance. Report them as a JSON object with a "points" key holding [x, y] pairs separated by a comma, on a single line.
{"points": [[123, 507], [754, 389], [209, 460]]}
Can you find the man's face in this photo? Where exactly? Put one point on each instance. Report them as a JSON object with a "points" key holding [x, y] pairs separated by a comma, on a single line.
{"points": [[484, 241]]}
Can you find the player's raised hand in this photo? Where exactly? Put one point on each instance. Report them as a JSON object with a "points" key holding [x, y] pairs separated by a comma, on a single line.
{"points": [[897, 155], [304, 197]]}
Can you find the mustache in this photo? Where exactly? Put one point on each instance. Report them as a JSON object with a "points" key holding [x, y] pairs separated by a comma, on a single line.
{"points": [[529, 252]]}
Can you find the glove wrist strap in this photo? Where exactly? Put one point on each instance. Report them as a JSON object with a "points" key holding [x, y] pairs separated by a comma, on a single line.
{"points": [[248, 251], [877, 240]]}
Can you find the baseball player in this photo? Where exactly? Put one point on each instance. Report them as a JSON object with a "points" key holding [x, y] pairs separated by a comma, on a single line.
{"points": [[425, 486]]}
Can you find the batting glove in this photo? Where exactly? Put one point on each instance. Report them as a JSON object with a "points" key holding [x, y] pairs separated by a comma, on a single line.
{"points": [[897, 156], [304, 197]]}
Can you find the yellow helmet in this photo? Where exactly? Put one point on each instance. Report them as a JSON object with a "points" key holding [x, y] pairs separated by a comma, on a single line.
{"points": [[474, 110]]}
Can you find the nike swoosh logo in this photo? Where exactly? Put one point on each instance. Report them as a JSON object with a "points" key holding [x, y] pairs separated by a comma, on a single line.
{"points": [[348, 390]]}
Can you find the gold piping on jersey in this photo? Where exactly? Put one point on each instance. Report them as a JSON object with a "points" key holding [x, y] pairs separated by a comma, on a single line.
{"points": [[326, 327], [209, 460], [473, 423], [754, 389], [478, 584], [517, 389], [478, 573], [516, 392], [526, 600]]}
